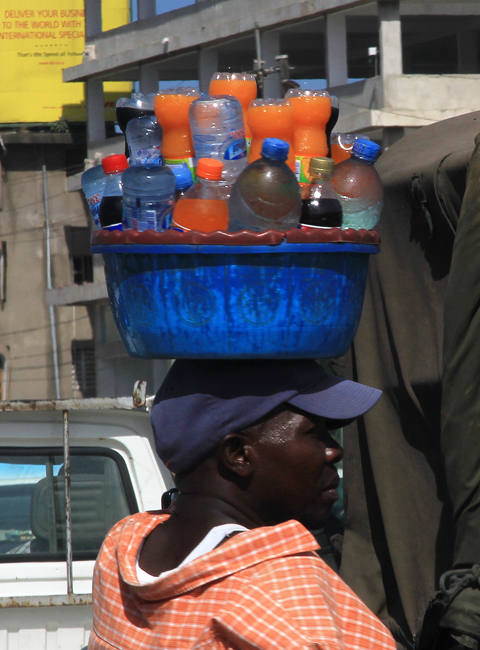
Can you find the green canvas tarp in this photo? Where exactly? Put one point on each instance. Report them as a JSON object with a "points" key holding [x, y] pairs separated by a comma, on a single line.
{"points": [[403, 515]]}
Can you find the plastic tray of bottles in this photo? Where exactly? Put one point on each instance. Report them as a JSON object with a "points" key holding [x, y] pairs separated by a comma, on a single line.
{"points": [[241, 295]]}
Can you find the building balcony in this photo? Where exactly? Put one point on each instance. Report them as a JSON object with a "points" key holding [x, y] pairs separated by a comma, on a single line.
{"points": [[405, 100]]}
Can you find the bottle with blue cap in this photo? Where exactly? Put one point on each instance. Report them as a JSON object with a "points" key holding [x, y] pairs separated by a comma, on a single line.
{"points": [[358, 186], [183, 180], [266, 195]]}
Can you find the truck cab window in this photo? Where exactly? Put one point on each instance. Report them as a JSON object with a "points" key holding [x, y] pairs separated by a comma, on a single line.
{"points": [[32, 503]]}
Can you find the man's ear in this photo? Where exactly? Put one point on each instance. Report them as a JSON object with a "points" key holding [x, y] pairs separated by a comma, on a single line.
{"points": [[236, 454]]}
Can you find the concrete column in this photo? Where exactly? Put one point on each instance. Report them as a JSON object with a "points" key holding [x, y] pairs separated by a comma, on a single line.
{"points": [[390, 37], [207, 65], [270, 44], [467, 52], [336, 49], [146, 9], [93, 17], [95, 110], [148, 79]]}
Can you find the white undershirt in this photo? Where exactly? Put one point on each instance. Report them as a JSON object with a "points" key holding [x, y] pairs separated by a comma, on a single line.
{"points": [[211, 540]]}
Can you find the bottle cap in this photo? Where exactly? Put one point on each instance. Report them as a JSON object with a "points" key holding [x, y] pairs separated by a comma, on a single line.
{"points": [[275, 148], [183, 177], [321, 165], [116, 163], [366, 150], [210, 168]]}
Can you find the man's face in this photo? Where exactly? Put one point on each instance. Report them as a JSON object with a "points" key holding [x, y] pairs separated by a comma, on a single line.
{"points": [[295, 476]]}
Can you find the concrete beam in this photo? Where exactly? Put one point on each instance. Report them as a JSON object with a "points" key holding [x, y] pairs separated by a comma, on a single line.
{"points": [[203, 24], [77, 294], [390, 37], [336, 49], [105, 147], [30, 137]]}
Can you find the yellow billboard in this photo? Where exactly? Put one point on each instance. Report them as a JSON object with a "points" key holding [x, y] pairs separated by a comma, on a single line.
{"points": [[38, 38]]}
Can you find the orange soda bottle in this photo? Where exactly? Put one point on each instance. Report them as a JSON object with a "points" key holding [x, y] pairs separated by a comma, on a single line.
{"points": [[270, 118], [204, 206], [241, 85], [311, 112], [171, 110]]}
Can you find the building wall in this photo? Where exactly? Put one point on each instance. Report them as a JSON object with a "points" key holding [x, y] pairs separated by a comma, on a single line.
{"points": [[25, 334]]}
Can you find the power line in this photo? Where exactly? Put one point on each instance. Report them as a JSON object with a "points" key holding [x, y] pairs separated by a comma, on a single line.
{"points": [[41, 327]]}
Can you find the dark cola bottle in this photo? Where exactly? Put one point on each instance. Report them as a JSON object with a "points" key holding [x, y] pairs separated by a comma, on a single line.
{"points": [[320, 206]]}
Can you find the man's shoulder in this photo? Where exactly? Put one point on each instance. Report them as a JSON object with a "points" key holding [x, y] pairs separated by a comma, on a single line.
{"points": [[131, 529]]}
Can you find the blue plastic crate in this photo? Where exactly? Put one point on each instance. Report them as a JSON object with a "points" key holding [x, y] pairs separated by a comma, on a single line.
{"points": [[214, 301]]}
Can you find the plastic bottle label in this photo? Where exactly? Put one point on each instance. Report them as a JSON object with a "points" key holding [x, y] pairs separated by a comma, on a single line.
{"points": [[151, 156], [234, 147], [94, 205], [301, 169], [236, 150], [158, 220], [182, 162]]}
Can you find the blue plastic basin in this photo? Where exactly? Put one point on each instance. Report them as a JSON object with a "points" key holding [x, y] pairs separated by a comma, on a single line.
{"points": [[198, 301]]}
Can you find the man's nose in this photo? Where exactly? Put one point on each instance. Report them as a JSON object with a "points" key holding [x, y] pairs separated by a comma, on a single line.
{"points": [[333, 454]]}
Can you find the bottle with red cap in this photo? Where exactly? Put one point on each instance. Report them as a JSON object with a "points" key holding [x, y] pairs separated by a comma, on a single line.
{"points": [[204, 206], [111, 205]]}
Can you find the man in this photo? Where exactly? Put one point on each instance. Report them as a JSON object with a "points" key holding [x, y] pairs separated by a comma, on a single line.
{"points": [[233, 566]]}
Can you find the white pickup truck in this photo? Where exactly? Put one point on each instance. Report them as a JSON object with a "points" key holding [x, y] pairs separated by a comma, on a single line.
{"points": [[69, 470]]}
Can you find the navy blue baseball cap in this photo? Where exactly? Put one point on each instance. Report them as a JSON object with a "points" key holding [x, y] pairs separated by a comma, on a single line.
{"points": [[202, 401]]}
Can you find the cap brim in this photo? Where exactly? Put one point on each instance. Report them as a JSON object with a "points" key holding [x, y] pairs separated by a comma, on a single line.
{"points": [[338, 399]]}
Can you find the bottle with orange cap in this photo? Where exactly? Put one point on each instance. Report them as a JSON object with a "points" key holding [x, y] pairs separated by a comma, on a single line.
{"points": [[171, 110], [241, 85], [204, 206], [311, 112], [270, 118]]}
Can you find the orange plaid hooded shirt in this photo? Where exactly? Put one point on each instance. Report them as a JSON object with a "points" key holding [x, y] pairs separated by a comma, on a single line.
{"points": [[264, 589]]}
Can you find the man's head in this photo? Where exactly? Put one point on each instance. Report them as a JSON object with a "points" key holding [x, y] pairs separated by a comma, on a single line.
{"points": [[259, 428]]}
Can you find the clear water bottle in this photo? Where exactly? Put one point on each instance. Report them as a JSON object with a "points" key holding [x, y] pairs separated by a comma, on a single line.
{"points": [[111, 205], [144, 139], [148, 197], [266, 194], [358, 186], [93, 185], [131, 107], [218, 131]]}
